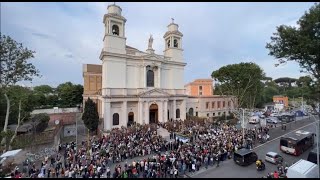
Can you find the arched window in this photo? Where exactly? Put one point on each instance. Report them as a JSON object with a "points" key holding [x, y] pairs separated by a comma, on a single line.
{"points": [[191, 111], [115, 30], [168, 43], [178, 113], [175, 43], [115, 119], [150, 78]]}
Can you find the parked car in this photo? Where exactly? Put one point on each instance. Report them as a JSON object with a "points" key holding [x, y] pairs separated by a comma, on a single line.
{"points": [[272, 120], [254, 120], [286, 118], [273, 158], [245, 157], [274, 115]]}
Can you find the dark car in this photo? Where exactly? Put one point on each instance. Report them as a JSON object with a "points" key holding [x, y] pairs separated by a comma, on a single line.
{"points": [[245, 157], [312, 157], [286, 118]]}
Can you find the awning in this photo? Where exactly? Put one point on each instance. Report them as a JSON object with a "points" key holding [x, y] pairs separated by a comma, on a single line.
{"points": [[10, 153]]}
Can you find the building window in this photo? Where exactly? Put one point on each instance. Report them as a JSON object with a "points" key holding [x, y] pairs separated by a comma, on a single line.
{"points": [[115, 30], [212, 105], [175, 43], [178, 113], [218, 104], [208, 115], [229, 103], [197, 114], [150, 78], [200, 93], [219, 113], [223, 104], [191, 111], [200, 88], [115, 119], [207, 105], [213, 114]]}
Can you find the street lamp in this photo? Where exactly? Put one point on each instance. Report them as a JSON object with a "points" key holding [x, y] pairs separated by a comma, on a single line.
{"points": [[243, 143]]}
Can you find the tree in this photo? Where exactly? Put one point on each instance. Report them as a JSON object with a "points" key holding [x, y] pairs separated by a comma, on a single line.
{"points": [[69, 95], [41, 121], [241, 80], [285, 81], [43, 89], [17, 94], [14, 67], [90, 115], [304, 81], [300, 44]]}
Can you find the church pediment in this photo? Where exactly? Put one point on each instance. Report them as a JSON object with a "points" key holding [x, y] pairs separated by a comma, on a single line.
{"points": [[153, 57], [154, 93]]}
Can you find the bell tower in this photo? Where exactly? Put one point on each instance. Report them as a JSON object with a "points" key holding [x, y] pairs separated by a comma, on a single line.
{"points": [[173, 42], [114, 38]]}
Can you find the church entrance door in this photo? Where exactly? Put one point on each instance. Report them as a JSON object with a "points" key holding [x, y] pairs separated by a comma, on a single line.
{"points": [[153, 113], [130, 118]]}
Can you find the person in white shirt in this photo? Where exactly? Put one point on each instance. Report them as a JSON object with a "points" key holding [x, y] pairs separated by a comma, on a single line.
{"points": [[70, 174]]}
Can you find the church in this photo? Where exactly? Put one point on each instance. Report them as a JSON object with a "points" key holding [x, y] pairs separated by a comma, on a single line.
{"points": [[132, 86]]}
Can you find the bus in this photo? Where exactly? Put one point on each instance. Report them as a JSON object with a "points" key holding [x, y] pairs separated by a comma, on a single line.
{"points": [[297, 142]]}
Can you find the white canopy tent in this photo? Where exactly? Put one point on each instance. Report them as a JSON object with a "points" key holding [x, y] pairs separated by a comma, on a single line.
{"points": [[10, 153]]}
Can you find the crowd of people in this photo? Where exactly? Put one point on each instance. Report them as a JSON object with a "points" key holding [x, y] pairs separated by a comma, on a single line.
{"points": [[151, 154], [279, 173]]}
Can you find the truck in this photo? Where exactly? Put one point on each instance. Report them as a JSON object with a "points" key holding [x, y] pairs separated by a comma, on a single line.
{"points": [[303, 169]]}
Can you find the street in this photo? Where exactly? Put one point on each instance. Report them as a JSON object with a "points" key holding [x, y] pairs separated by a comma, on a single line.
{"points": [[228, 169]]}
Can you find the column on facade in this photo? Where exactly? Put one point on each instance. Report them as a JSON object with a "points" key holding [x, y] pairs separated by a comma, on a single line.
{"points": [[146, 113], [164, 111], [140, 112], [159, 75], [144, 77], [183, 110], [124, 113], [160, 111], [107, 120], [174, 108]]}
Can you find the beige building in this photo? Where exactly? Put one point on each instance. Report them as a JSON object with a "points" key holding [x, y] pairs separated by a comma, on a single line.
{"points": [[200, 87], [202, 103], [92, 85]]}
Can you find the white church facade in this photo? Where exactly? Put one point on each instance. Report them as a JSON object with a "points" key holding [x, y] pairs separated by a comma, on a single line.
{"points": [[136, 86]]}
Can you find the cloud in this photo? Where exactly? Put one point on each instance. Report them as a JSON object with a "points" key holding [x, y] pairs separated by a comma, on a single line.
{"points": [[67, 35], [45, 36]]}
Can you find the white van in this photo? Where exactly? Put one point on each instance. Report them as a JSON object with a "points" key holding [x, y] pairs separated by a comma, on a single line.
{"points": [[303, 169], [254, 120]]}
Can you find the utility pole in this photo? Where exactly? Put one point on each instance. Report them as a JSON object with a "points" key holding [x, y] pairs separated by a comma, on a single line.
{"points": [[76, 134], [318, 139], [243, 126]]}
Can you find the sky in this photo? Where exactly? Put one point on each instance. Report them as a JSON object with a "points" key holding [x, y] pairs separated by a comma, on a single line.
{"points": [[67, 35]]}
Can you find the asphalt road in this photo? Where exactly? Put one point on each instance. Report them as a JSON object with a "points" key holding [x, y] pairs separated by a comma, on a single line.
{"points": [[228, 169]]}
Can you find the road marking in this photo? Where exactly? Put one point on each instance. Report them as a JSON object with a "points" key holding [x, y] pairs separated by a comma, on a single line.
{"points": [[283, 135]]}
